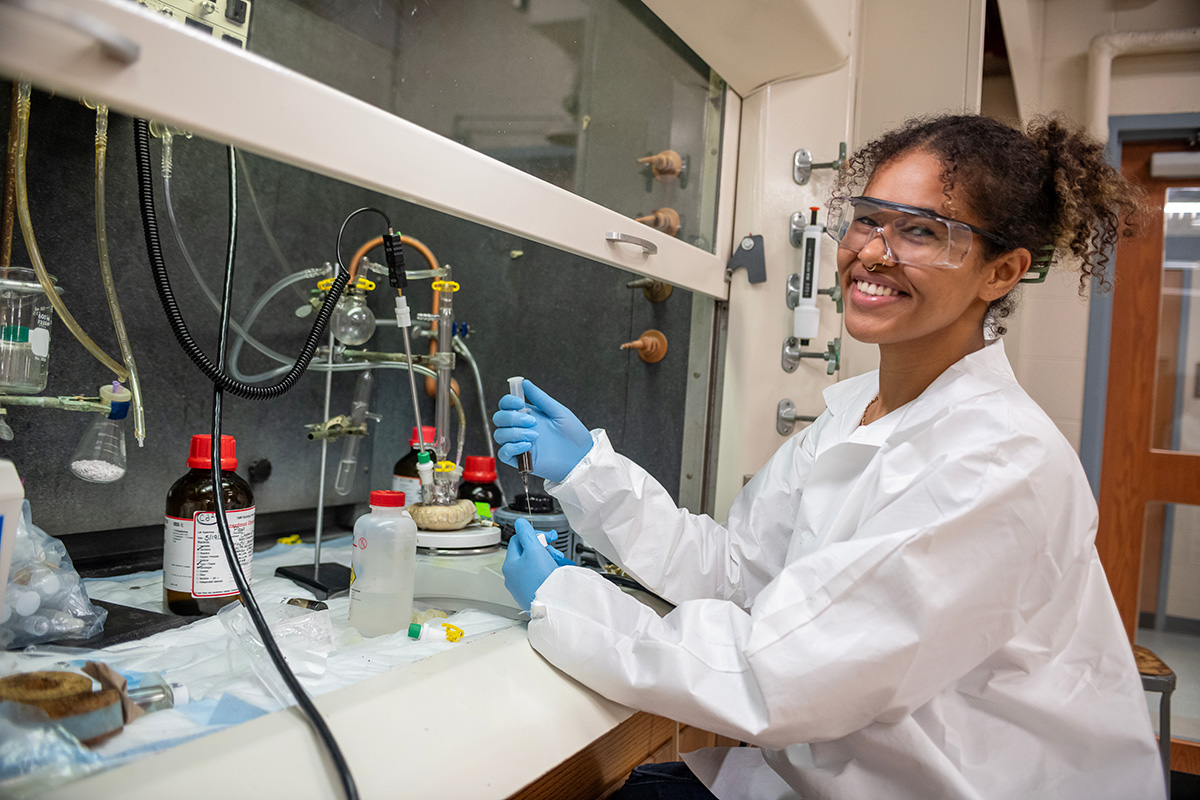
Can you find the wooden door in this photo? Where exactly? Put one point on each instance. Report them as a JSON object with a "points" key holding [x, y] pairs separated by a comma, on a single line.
{"points": [[1143, 467]]}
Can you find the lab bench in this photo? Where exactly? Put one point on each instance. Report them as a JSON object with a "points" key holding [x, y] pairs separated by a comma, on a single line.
{"points": [[486, 717]]}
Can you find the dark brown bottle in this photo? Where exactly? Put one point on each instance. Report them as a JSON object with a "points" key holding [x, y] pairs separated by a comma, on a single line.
{"points": [[196, 575], [479, 485]]}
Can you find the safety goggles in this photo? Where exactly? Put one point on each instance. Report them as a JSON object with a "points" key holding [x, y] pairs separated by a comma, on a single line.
{"points": [[910, 235]]}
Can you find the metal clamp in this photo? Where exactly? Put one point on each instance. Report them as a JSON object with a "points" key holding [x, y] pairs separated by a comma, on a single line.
{"points": [[802, 164], [650, 248], [786, 418], [791, 355], [113, 43], [335, 428]]}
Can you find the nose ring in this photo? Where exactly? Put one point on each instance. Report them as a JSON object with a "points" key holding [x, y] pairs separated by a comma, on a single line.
{"points": [[872, 268]]}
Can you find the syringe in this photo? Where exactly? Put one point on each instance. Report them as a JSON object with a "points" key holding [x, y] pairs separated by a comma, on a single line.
{"points": [[525, 460]]}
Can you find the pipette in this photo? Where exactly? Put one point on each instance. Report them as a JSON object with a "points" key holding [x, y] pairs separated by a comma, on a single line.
{"points": [[525, 460]]}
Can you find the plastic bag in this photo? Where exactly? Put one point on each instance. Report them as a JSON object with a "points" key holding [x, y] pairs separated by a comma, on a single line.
{"points": [[304, 637], [36, 753], [45, 599]]}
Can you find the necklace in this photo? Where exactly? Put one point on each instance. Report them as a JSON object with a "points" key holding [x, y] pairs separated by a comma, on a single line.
{"points": [[863, 420]]}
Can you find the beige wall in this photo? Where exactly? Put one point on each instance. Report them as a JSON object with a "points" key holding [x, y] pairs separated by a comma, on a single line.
{"points": [[850, 103], [776, 121], [1048, 338], [1047, 343]]}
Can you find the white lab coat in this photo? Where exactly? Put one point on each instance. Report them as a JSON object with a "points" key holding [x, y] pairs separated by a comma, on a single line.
{"points": [[908, 609]]}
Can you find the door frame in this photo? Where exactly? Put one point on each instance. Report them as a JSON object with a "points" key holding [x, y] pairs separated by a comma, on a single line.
{"points": [[1115, 543], [1121, 129]]}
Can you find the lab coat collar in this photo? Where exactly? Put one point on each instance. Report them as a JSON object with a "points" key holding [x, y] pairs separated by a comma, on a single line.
{"points": [[847, 399]]}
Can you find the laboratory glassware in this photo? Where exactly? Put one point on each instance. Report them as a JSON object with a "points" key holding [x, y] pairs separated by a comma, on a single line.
{"points": [[359, 406], [353, 322], [25, 317], [100, 456]]}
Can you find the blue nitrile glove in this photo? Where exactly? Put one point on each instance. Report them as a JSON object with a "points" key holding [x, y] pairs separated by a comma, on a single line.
{"points": [[561, 440], [529, 562]]}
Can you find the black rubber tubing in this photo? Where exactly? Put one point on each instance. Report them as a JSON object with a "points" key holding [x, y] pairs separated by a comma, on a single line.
{"points": [[320, 727], [158, 268]]}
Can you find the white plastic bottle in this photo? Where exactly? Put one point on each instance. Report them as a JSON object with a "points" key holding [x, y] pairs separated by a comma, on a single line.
{"points": [[382, 565]]}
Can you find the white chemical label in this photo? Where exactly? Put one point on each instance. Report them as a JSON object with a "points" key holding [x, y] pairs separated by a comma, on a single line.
{"points": [[410, 486], [194, 559], [39, 342]]}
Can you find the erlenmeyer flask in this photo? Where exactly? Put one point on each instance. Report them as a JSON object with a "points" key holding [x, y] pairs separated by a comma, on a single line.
{"points": [[100, 456]]}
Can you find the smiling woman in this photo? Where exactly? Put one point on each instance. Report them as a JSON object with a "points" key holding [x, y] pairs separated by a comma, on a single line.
{"points": [[1048, 188], [906, 601]]}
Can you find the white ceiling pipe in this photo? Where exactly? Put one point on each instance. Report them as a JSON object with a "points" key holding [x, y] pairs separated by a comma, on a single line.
{"points": [[1107, 46]]}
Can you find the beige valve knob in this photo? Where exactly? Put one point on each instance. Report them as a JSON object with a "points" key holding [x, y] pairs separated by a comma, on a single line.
{"points": [[665, 166], [652, 346], [662, 219]]}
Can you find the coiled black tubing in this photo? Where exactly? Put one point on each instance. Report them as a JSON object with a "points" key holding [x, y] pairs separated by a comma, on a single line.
{"points": [[141, 141]]}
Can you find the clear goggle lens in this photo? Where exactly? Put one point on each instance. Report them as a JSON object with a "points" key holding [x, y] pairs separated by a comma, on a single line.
{"points": [[910, 235]]}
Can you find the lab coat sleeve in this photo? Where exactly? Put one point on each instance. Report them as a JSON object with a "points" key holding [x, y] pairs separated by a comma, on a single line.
{"points": [[957, 548], [622, 511]]}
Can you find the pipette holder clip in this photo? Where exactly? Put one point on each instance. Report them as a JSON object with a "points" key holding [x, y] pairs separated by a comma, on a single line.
{"points": [[791, 355], [786, 417], [802, 164]]}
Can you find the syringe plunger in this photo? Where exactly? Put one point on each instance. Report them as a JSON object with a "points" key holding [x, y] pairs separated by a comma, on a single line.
{"points": [[517, 389]]}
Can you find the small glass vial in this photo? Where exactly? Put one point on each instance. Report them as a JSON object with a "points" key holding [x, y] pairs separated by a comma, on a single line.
{"points": [[382, 567], [405, 477], [196, 575], [100, 456], [479, 485]]}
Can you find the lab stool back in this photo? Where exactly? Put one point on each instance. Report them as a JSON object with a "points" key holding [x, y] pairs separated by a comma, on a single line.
{"points": [[1158, 677]]}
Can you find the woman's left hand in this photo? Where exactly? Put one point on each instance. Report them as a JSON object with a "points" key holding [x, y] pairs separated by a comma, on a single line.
{"points": [[529, 562]]}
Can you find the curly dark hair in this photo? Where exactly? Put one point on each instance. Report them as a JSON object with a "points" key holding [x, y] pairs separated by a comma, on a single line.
{"points": [[1048, 186]]}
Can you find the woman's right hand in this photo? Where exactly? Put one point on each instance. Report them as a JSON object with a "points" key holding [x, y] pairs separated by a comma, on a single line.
{"points": [[557, 439]]}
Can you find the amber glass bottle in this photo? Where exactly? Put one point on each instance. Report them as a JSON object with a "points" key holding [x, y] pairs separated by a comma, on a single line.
{"points": [[196, 575]]}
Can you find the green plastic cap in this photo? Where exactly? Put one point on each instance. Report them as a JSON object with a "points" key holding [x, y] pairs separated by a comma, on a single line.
{"points": [[414, 630], [423, 457]]}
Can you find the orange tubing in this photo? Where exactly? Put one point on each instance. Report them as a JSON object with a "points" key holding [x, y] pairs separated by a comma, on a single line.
{"points": [[427, 254]]}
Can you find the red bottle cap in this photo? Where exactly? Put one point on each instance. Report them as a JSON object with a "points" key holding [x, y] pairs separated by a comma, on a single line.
{"points": [[427, 433], [479, 469], [386, 498], [200, 456]]}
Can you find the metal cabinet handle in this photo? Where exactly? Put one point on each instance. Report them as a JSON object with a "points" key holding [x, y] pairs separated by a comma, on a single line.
{"points": [[112, 42], [650, 248]]}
